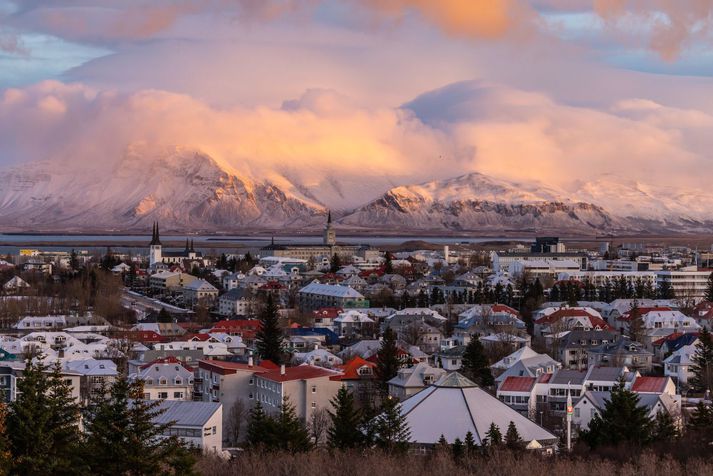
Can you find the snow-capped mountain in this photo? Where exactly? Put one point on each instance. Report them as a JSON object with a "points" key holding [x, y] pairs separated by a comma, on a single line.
{"points": [[477, 202], [188, 190], [183, 189]]}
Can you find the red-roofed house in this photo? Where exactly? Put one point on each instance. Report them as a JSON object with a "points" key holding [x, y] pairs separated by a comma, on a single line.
{"points": [[569, 319], [324, 316], [703, 314], [307, 387], [520, 393], [145, 337], [358, 376], [245, 328], [228, 383], [654, 385]]}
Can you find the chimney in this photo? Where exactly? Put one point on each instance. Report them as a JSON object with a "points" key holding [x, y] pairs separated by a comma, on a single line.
{"points": [[282, 369], [316, 346], [250, 361]]}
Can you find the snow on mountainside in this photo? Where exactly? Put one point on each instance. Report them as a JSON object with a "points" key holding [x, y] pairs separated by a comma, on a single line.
{"points": [[180, 188], [477, 202], [189, 190]]}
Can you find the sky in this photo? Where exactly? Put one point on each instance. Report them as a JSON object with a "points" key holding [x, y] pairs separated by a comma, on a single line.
{"points": [[389, 92]]}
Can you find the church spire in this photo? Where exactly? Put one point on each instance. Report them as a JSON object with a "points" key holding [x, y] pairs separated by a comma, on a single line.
{"points": [[187, 247], [192, 249], [329, 217], [155, 240]]}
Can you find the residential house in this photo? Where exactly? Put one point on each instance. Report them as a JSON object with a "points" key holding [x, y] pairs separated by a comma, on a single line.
{"points": [[236, 302], [593, 403], [199, 292], [165, 379], [352, 323], [316, 295], [621, 352], [411, 380], [573, 346], [197, 424]]}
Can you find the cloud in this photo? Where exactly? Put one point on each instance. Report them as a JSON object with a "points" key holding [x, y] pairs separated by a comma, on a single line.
{"points": [[323, 138], [671, 25]]}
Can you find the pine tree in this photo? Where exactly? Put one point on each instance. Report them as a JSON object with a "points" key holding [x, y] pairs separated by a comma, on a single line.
{"points": [[269, 337], [391, 428], [665, 291], [5, 456], [512, 437], [469, 443], [701, 421], [664, 428], [388, 266], [41, 434], [164, 316], [442, 444], [702, 359], [344, 432], [64, 420], [388, 361], [709, 288], [261, 428], [335, 263], [475, 364], [493, 437], [290, 433], [123, 436], [636, 323], [458, 449], [622, 420]]}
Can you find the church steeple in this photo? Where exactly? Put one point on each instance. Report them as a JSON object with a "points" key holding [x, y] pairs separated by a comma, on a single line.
{"points": [[330, 237], [155, 239]]}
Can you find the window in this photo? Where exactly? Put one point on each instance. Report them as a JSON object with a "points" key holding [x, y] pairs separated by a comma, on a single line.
{"points": [[163, 395], [163, 381], [179, 381], [178, 395], [314, 389], [576, 412], [314, 404]]}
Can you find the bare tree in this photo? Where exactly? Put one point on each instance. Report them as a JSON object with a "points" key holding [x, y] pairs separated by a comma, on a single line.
{"points": [[318, 426], [237, 416]]}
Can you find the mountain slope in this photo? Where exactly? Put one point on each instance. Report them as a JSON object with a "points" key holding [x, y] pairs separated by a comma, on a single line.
{"points": [[180, 188], [476, 202]]}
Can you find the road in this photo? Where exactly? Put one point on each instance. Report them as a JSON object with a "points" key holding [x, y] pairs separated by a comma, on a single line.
{"points": [[143, 304]]}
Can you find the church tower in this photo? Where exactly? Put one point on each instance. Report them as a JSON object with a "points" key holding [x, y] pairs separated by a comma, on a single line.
{"points": [[155, 247], [330, 236]]}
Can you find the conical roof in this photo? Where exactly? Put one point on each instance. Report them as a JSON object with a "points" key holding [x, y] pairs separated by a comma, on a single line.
{"points": [[454, 406], [454, 380]]}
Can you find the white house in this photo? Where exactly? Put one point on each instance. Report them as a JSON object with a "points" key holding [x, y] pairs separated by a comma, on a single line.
{"points": [[197, 424]]}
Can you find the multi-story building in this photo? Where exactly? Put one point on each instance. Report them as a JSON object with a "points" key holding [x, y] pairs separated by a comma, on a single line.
{"points": [[316, 295], [236, 302], [307, 388], [170, 280], [199, 292], [687, 283]]}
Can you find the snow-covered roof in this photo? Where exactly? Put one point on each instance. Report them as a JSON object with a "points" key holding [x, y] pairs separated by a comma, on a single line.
{"points": [[334, 290]]}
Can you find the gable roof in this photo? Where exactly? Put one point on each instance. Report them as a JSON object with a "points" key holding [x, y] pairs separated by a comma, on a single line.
{"points": [[301, 372], [517, 384], [650, 384]]}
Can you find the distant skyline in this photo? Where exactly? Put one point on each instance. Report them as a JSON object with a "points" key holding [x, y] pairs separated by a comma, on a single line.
{"points": [[558, 91]]}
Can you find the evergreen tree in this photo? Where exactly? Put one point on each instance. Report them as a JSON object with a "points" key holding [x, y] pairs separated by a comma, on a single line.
{"points": [[422, 299], [701, 422], [269, 337], [5, 456], [388, 361], [124, 438], [335, 263], [290, 433], [388, 266], [709, 288], [475, 364], [665, 291], [702, 359], [164, 316], [470, 445], [43, 437], [572, 294], [442, 444], [458, 449], [636, 323], [344, 432], [622, 420], [391, 428], [664, 428], [493, 437], [261, 428], [512, 437], [555, 293]]}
